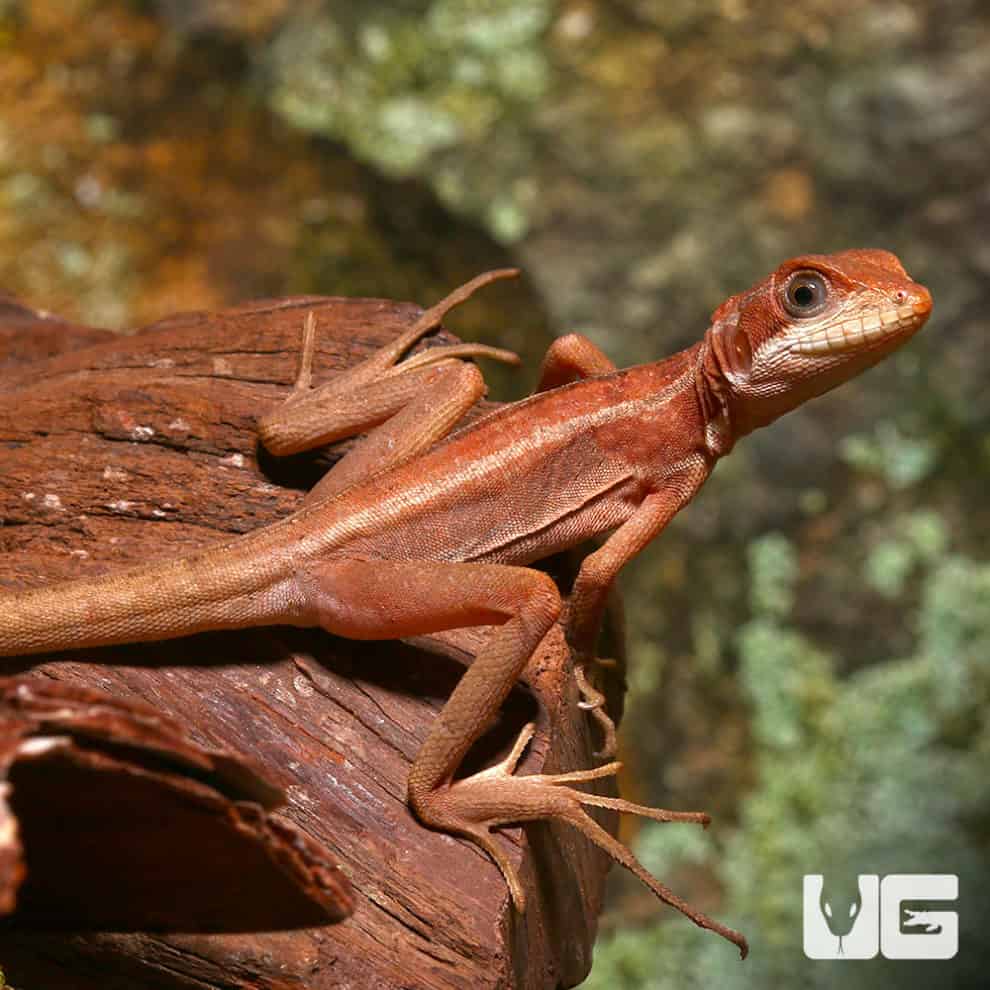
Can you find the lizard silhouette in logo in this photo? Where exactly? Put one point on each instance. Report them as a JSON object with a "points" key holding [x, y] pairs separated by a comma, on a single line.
{"points": [[916, 919]]}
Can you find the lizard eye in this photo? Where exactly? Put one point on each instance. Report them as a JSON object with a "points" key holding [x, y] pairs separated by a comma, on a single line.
{"points": [[805, 294]]}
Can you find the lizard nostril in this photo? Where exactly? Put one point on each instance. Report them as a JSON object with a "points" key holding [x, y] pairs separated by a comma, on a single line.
{"points": [[917, 297], [921, 300]]}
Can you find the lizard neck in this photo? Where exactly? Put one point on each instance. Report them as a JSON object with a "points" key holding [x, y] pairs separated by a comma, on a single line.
{"points": [[712, 388]]}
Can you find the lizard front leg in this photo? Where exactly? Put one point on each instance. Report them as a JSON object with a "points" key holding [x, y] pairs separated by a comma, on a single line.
{"points": [[572, 358], [598, 571], [385, 599]]}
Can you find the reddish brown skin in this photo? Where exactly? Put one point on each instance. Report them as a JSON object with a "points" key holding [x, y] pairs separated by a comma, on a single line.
{"points": [[412, 533]]}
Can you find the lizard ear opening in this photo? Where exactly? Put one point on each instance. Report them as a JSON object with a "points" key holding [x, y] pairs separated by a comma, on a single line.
{"points": [[738, 349]]}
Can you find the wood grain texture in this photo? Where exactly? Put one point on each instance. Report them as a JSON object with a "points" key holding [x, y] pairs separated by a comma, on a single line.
{"points": [[119, 450], [121, 822]]}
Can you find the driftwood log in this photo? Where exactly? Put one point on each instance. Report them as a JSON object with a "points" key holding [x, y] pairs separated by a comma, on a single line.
{"points": [[97, 784], [119, 449]]}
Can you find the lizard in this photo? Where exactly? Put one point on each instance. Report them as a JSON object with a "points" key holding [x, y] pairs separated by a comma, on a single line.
{"points": [[422, 527], [929, 920]]}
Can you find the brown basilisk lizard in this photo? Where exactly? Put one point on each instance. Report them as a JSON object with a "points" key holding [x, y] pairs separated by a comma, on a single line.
{"points": [[416, 531]]}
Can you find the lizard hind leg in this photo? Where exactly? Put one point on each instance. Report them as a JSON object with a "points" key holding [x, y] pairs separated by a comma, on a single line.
{"points": [[385, 361], [369, 393], [391, 599], [495, 797]]}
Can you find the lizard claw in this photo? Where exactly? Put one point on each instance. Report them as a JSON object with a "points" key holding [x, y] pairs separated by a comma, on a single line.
{"points": [[592, 700]]}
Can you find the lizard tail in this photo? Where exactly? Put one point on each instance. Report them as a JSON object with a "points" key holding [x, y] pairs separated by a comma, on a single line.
{"points": [[193, 594]]}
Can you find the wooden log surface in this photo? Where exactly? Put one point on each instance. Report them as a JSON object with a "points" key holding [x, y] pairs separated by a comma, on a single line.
{"points": [[119, 449], [130, 825]]}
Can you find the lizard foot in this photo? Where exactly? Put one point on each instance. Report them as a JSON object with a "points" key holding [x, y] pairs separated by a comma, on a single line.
{"points": [[593, 701], [495, 797], [383, 363]]}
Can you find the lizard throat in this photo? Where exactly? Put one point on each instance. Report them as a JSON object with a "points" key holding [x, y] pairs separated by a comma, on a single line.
{"points": [[855, 332], [713, 391]]}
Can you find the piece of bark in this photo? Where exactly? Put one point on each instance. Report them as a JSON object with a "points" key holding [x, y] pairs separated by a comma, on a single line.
{"points": [[144, 446], [128, 825], [29, 334]]}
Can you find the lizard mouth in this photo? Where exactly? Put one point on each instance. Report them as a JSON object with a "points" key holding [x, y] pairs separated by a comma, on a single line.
{"points": [[853, 333]]}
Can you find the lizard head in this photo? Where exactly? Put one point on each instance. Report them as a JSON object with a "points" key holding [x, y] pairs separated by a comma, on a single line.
{"points": [[817, 321]]}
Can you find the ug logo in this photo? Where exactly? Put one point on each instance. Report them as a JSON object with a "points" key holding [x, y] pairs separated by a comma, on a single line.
{"points": [[857, 923]]}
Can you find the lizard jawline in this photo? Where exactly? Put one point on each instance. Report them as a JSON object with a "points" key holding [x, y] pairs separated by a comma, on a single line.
{"points": [[853, 333]]}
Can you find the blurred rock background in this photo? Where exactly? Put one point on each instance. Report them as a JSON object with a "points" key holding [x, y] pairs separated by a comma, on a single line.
{"points": [[811, 639]]}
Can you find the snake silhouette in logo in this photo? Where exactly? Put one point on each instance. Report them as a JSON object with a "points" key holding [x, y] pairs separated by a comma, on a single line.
{"points": [[840, 908]]}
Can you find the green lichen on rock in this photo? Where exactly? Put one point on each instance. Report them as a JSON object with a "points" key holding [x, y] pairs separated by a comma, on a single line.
{"points": [[902, 460], [917, 538], [437, 91]]}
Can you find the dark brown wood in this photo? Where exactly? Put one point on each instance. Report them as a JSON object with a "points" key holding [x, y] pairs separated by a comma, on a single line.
{"points": [[122, 822], [139, 447]]}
